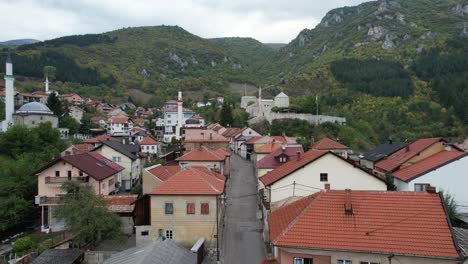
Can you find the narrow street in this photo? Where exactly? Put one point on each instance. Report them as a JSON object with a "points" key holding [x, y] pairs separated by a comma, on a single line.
{"points": [[242, 241]]}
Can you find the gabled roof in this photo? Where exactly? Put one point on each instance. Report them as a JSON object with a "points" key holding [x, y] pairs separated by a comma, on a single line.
{"points": [[230, 131], [192, 181], [270, 161], [59, 256], [108, 162], [400, 223], [291, 166], [428, 164], [163, 172], [383, 150], [398, 158], [120, 203], [267, 139], [148, 141], [204, 154], [281, 95], [203, 135], [268, 148], [328, 144], [462, 238], [119, 120], [100, 139], [130, 151], [81, 148]]}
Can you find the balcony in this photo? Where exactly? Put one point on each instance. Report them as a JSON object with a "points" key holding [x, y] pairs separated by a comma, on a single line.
{"points": [[61, 180], [45, 200]]}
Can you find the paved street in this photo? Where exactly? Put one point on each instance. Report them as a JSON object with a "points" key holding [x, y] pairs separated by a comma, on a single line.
{"points": [[242, 241]]}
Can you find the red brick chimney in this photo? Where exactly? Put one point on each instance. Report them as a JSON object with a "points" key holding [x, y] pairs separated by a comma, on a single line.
{"points": [[327, 186], [348, 206], [298, 155]]}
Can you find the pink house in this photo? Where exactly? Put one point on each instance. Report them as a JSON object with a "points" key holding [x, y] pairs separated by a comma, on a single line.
{"points": [[73, 98], [90, 168]]}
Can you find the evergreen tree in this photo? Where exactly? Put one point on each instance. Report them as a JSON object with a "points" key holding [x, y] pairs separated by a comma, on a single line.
{"points": [[55, 105], [390, 182], [226, 118]]}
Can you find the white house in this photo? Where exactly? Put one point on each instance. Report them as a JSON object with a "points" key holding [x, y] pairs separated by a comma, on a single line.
{"points": [[282, 100], [240, 137], [446, 171], [76, 113], [120, 126], [149, 145], [313, 171]]}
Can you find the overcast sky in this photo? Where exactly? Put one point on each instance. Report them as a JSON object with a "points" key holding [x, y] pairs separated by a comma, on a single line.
{"points": [[265, 20]]}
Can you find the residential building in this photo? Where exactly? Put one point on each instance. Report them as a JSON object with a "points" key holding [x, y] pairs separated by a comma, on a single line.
{"points": [[96, 141], [446, 171], [154, 175], [76, 113], [72, 98], [333, 146], [187, 206], [316, 170], [120, 126], [266, 149], [89, 168], [149, 145], [363, 227], [278, 158], [249, 148], [196, 138], [127, 157], [77, 149], [62, 256], [379, 153], [216, 160], [124, 207]]}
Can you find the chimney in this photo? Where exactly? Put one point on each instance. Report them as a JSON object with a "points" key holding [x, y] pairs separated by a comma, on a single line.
{"points": [[407, 148], [390, 141], [327, 186], [348, 206], [431, 189], [298, 155], [211, 136]]}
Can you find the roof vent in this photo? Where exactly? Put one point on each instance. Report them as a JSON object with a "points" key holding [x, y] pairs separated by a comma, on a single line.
{"points": [[348, 206]]}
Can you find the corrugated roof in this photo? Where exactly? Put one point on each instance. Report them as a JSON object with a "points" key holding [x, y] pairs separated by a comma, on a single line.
{"points": [[428, 164], [58, 256], [462, 238], [400, 223], [328, 144], [395, 160]]}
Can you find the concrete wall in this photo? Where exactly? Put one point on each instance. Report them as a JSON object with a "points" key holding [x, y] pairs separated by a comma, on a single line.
{"points": [[33, 120], [187, 228], [132, 167], [143, 235], [341, 175], [219, 165], [149, 181], [210, 145], [286, 256], [451, 178]]}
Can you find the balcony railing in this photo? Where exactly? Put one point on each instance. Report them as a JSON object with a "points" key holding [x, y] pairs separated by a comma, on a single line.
{"points": [[60, 180], [43, 200]]}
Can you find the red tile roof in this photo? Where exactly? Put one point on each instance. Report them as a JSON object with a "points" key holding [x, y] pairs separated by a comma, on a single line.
{"points": [[119, 120], [100, 139], [268, 148], [203, 135], [267, 139], [428, 164], [138, 120], [192, 181], [81, 148], [198, 117], [291, 166], [328, 144], [148, 141], [164, 172], [270, 161], [401, 223], [94, 164], [204, 154], [120, 203], [97, 118], [174, 109], [229, 131], [395, 160]]}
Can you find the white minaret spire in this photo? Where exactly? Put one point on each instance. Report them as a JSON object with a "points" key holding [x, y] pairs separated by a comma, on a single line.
{"points": [[180, 114], [9, 94], [46, 85]]}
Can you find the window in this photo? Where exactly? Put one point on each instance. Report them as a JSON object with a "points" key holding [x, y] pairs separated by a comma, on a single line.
{"points": [[169, 234], [69, 175], [169, 208], [323, 177], [205, 208], [81, 173], [144, 233], [303, 261], [117, 159], [190, 208], [344, 261], [368, 262], [57, 173], [420, 187]]}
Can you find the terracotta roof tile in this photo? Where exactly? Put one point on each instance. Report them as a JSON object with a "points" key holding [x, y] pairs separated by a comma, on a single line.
{"points": [[203, 135], [119, 120], [148, 141], [192, 181], [395, 160], [93, 164], [204, 154], [268, 148], [428, 164], [401, 223], [270, 161], [81, 148], [100, 139], [120, 203], [164, 172], [328, 144]]}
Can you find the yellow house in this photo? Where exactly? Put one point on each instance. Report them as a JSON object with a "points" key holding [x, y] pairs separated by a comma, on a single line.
{"points": [[188, 206], [217, 160]]}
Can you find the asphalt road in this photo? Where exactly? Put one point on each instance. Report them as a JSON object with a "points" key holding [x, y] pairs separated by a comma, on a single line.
{"points": [[242, 241]]}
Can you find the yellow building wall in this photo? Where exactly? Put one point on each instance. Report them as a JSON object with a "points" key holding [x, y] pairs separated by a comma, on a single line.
{"points": [[149, 181], [434, 149]]}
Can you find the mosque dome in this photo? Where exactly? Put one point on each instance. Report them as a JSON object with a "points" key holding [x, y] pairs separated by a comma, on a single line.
{"points": [[35, 107]]}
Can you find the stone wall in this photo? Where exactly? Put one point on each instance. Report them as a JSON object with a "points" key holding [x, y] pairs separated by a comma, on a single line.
{"points": [[310, 118]]}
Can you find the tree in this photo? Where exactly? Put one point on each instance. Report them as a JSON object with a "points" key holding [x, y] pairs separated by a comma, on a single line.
{"points": [[70, 123], [55, 105], [85, 213], [49, 72], [226, 118], [450, 206], [390, 182]]}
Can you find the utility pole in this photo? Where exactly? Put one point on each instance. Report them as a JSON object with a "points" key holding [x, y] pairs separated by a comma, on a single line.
{"points": [[294, 188], [317, 116]]}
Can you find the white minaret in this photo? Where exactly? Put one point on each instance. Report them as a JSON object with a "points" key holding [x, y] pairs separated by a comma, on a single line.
{"points": [[9, 94], [180, 114], [47, 85]]}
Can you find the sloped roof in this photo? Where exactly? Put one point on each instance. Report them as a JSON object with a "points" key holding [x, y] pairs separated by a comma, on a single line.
{"points": [[100, 139], [270, 161], [128, 150], [204, 154], [192, 181], [58, 256], [148, 141], [164, 172], [230, 131], [203, 135], [120, 203], [81, 148], [281, 95], [108, 162], [383, 150], [401, 223], [155, 252], [328, 144], [267, 139], [398, 158], [119, 120], [268, 148], [462, 237], [429, 164]]}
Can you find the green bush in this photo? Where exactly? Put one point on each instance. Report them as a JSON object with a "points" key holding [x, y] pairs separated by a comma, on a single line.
{"points": [[23, 245]]}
